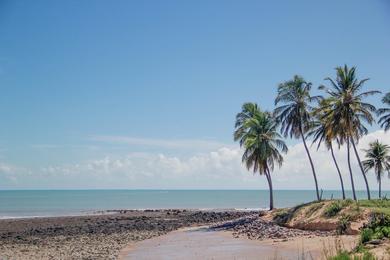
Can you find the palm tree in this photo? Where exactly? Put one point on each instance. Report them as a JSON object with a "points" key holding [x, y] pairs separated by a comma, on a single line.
{"points": [[347, 112], [322, 135], [294, 115], [256, 132], [384, 121], [378, 158]]}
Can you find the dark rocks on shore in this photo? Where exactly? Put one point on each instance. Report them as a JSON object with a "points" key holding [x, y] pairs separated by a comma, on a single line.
{"points": [[103, 236], [95, 237], [253, 227]]}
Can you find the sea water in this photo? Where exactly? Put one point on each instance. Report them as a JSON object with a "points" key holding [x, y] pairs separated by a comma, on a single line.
{"points": [[36, 203]]}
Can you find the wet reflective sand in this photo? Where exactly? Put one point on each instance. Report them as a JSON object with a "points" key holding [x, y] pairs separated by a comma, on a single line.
{"points": [[201, 243]]}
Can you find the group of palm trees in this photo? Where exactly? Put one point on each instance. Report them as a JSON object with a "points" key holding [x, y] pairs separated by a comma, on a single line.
{"points": [[337, 119]]}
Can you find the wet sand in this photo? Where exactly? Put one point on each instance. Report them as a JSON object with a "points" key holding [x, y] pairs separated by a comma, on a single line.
{"points": [[204, 243]]}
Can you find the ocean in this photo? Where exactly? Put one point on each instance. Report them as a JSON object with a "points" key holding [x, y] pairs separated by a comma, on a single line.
{"points": [[38, 203]]}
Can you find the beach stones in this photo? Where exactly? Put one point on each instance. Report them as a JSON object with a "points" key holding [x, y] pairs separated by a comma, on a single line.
{"points": [[95, 237], [253, 227]]}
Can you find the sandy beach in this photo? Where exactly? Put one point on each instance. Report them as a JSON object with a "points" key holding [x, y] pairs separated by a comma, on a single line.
{"points": [[96, 237], [156, 234]]}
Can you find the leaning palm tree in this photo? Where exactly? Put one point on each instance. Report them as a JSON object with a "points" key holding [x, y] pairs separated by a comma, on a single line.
{"points": [[384, 121], [294, 115], [321, 134], [378, 158], [347, 112], [256, 132]]}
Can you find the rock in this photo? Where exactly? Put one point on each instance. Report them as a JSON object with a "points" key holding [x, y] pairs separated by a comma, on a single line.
{"points": [[375, 242]]}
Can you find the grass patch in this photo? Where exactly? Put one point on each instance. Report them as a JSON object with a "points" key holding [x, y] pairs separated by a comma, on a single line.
{"points": [[344, 255], [333, 209], [380, 206], [336, 206], [378, 203]]}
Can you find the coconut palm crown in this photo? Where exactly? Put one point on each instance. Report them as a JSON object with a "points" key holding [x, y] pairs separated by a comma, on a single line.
{"points": [[294, 115], [378, 158], [256, 132], [384, 120], [347, 113], [321, 134]]}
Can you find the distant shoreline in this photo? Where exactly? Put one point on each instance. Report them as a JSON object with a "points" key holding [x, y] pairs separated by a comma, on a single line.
{"points": [[123, 211]]}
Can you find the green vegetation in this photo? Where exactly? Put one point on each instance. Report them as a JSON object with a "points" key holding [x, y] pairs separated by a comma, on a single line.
{"points": [[381, 206], [344, 255], [345, 212], [340, 117], [335, 207], [321, 133], [343, 225], [294, 115], [366, 235], [378, 158], [256, 132], [384, 121], [346, 114], [377, 228], [332, 210], [360, 253]]}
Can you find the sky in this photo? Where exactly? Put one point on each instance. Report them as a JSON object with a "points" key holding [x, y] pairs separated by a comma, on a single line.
{"points": [[143, 94]]}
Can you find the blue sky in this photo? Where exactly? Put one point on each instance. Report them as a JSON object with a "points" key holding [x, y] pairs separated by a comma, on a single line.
{"points": [[83, 81]]}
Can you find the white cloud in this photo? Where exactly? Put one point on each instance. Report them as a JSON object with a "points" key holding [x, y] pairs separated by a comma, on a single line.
{"points": [[145, 170], [220, 168], [296, 172]]}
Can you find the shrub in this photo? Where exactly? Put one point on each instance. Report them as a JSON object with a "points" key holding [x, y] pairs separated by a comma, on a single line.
{"points": [[366, 235], [343, 224], [347, 202], [332, 210], [386, 231], [377, 228]]}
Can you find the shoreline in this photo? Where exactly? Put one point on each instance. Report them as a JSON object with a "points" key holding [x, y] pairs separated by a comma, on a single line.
{"points": [[120, 211], [96, 236], [105, 235]]}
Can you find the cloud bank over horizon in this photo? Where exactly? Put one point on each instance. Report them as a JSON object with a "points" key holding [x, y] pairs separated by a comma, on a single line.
{"points": [[219, 167]]}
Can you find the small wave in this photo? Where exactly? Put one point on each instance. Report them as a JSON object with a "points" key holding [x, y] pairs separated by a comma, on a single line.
{"points": [[54, 215], [251, 209]]}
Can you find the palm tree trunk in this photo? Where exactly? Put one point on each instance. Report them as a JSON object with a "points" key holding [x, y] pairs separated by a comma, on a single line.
{"points": [[380, 187], [361, 168], [271, 192], [350, 170], [312, 165], [338, 170]]}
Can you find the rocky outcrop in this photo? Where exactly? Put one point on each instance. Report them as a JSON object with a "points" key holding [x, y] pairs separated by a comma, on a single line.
{"points": [[254, 227]]}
